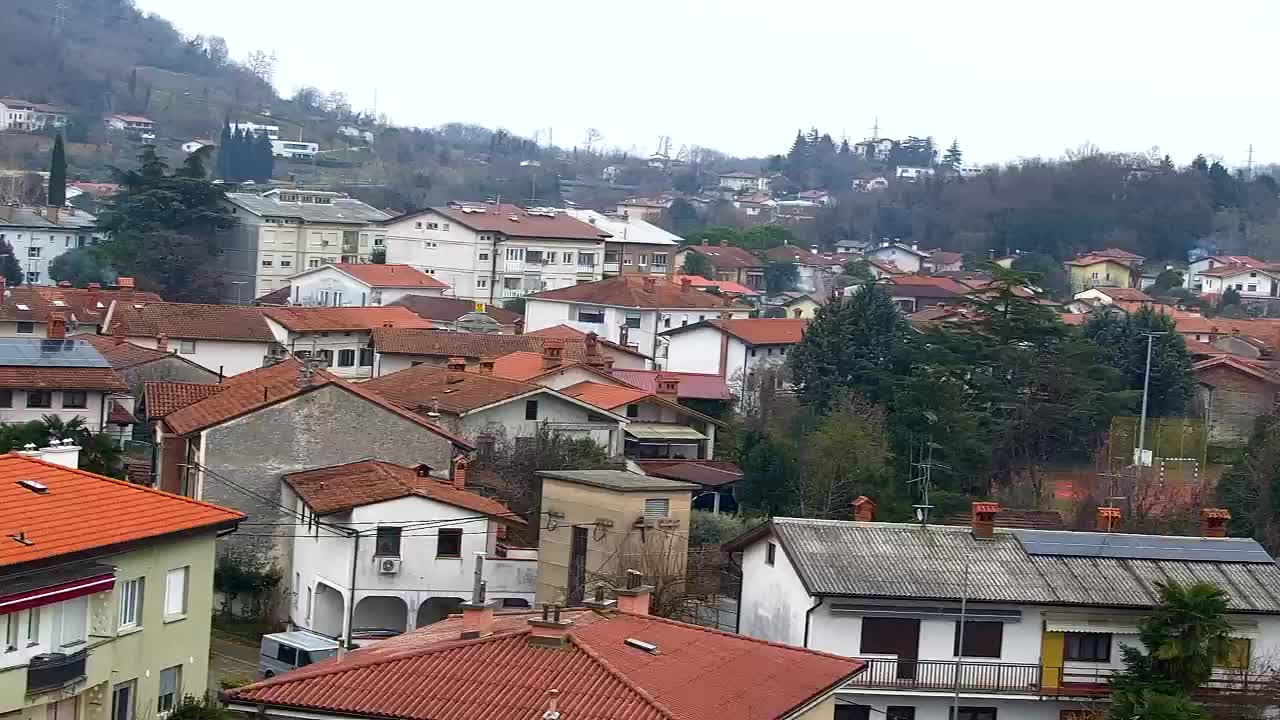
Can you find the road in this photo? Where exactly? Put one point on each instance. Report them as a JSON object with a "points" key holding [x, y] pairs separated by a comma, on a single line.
{"points": [[230, 658]]}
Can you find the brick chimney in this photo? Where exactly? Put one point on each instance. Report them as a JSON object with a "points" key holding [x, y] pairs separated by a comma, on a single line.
{"points": [[1213, 522], [650, 284], [52, 213], [64, 283], [984, 519], [125, 284], [477, 614], [1108, 519], [94, 286], [686, 284], [458, 471], [668, 387], [57, 326], [550, 631], [119, 331], [162, 342], [592, 351], [705, 243], [457, 364], [634, 598], [486, 366], [552, 353], [864, 509]]}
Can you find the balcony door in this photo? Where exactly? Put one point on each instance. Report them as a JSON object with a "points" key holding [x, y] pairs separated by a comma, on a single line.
{"points": [[893, 636]]}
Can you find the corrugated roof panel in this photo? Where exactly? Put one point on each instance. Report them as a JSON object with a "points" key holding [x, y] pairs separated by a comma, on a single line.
{"points": [[1261, 583]]}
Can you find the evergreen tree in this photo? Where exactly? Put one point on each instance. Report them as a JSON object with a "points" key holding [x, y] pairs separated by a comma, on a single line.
{"points": [[953, 156], [224, 152], [239, 164], [58, 175], [264, 159], [9, 266], [1121, 342]]}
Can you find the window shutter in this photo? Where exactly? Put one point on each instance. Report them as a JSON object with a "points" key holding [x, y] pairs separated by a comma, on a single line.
{"points": [[656, 508]]}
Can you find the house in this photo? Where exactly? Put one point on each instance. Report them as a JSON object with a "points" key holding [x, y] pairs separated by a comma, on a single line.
{"points": [[757, 208], [1251, 281], [39, 235], [136, 365], [1045, 613], [803, 305], [906, 258], [732, 349], [1261, 333], [1088, 271], [488, 409], [25, 310], [873, 182], [405, 576], [360, 284], [455, 314], [940, 260], [795, 211], [609, 660], [629, 310], [1111, 295], [916, 292], [1191, 279], [17, 114], [726, 288], [635, 245], [396, 349], [850, 247], [283, 231], [337, 337], [692, 388], [106, 592], [876, 149], [132, 123], [659, 426], [227, 339], [814, 272], [729, 263], [489, 253], [912, 174], [645, 209], [740, 181], [1232, 393], [716, 481], [821, 197], [191, 146], [248, 128], [358, 133]]}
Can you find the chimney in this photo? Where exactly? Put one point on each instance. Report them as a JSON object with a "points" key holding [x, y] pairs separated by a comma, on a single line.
{"points": [[477, 614], [650, 284], [486, 366], [62, 452], [52, 213], [1108, 519], [704, 242], [550, 631], [686, 284], [458, 472], [57, 326], [305, 371], [125, 285], [634, 598], [724, 243], [597, 601], [162, 343], [119, 331], [668, 387], [864, 509], [64, 283], [1213, 522], [518, 326], [552, 353], [94, 286], [457, 364], [984, 519], [726, 315]]}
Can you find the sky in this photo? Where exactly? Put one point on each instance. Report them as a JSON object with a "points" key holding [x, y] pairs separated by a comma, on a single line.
{"points": [[1005, 79]]}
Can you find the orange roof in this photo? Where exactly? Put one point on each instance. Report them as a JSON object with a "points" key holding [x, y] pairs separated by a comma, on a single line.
{"points": [[445, 343], [1087, 260], [431, 674], [724, 286], [755, 331], [60, 378], [528, 367], [83, 512], [29, 303], [514, 221], [726, 256], [190, 320], [1125, 294], [123, 354], [1236, 363], [424, 386], [606, 396], [331, 319], [338, 488], [635, 291], [390, 275], [162, 397]]}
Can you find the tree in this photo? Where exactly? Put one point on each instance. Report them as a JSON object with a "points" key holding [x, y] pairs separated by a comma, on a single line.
{"points": [[9, 267], [378, 256], [780, 277], [1167, 280], [98, 451], [81, 266], [697, 264], [224, 169], [1230, 297], [682, 216], [263, 158], [262, 64], [1251, 488], [1050, 275], [58, 175], [846, 456], [953, 156], [1121, 342]]}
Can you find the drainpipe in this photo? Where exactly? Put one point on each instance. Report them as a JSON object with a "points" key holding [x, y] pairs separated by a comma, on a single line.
{"points": [[351, 602], [808, 615], [493, 268]]}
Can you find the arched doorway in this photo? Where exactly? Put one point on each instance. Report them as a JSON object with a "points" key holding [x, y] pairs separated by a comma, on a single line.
{"points": [[381, 612], [327, 616], [436, 609]]}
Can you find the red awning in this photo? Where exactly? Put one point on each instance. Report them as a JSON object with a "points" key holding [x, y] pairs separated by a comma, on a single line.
{"points": [[51, 594]]}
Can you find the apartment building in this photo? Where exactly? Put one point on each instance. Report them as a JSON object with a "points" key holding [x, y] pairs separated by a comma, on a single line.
{"points": [[359, 285], [40, 234], [338, 337], [636, 246], [488, 252], [21, 115], [282, 232], [59, 376]]}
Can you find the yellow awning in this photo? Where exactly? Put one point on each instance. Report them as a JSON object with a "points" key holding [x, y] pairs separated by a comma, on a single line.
{"points": [[663, 431]]}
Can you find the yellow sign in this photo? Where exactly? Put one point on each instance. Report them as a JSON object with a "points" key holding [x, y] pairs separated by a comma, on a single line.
{"points": [[480, 307]]}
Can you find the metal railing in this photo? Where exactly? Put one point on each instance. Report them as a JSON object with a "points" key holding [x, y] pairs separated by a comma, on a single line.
{"points": [[55, 670]]}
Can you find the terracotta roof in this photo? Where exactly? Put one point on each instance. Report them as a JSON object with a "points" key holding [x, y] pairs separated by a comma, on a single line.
{"points": [[1118, 253], [119, 416], [754, 331], [450, 309], [604, 396], [131, 118], [529, 367], [499, 218], [84, 306], [1195, 347], [572, 334], [693, 386], [724, 286], [338, 488], [331, 319], [1074, 318], [944, 257], [1094, 259], [632, 291], [792, 253], [887, 266], [60, 378], [123, 354], [420, 387], [473, 346], [924, 286], [388, 275], [1235, 259], [82, 512], [162, 397], [192, 321], [1237, 363], [279, 296], [1230, 270], [430, 674], [727, 256], [1125, 294]]}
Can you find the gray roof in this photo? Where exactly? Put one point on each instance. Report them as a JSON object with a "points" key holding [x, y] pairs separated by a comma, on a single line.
{"points": [[898, 560], [620, 480], [341, 210], [33, 217]]}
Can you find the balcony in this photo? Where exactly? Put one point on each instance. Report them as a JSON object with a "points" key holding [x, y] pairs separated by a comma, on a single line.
{"points": [[513, 292], [55, 670]]}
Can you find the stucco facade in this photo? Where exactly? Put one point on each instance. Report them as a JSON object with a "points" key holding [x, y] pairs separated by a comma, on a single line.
{"points": [[229, 357]]}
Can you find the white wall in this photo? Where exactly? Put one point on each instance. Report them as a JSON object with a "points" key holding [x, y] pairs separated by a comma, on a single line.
{"points": [[541, 314], [905, 260], [20, 413], [571, 375], [509, 419], [308, 290], [230, 357], [334, 342], [1261, 282], [773, 602], [697, 350], [49, 243], [938, 706]]}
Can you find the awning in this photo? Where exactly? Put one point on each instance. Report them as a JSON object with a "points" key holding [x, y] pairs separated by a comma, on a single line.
{"points": [[1089, 624], [47, 588], [663, 431]]}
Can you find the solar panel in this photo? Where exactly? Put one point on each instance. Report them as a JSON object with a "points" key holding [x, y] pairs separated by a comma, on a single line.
{"points": [[40, 352], [1141, 547]]}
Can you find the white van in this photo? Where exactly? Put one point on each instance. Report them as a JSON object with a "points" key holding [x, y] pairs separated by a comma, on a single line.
{"points": [[284, 651]]}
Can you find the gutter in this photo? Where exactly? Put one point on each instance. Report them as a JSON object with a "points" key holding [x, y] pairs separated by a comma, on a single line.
{"points": [[808, 615]]}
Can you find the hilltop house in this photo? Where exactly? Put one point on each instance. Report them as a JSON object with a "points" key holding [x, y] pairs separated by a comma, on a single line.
{"points": [[916, 292], [814, 272], [906, 258], [1111, 267], [337, 337], [1191, 279], [1251, 281], [740, 181], [940, 260], [360, 284]]}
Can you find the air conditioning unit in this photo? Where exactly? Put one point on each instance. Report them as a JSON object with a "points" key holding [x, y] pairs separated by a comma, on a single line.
{"points": [[388, 566]]}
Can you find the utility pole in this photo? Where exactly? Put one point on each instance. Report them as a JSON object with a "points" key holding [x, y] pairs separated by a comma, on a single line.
{"points": [[1249, 176], [1142, 420]]}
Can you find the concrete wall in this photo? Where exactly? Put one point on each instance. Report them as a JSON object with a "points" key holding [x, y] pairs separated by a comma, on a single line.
{"points": [[334, 342], [1232, 404], [308, 290], [543, 314], [905, 260], [773, 601], [695, 350], [1249, 283], [171, 368], [51, 242], [20, 413], [231, 357], [508, 420]]}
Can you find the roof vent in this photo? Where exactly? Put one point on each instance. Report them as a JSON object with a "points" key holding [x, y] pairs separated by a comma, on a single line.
{"points": [[21, 538], [35, 487], [642, 645]]}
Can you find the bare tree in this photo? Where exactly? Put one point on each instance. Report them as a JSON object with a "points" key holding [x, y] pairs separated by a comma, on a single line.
{"points": [[261, 64]]}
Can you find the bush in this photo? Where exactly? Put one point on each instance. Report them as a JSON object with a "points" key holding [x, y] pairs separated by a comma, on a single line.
{"points": [[707, 528], [202, 708]]}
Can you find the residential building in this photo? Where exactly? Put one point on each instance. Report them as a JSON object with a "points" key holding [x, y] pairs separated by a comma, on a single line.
{"points": [[716, 481], [25, 310], [1251, 281], [396, 349], [227, 339], [629, 310], [873, 182], [660, 427], [405, 575], [248, 128], [1112, 295], [645, 209], [912, 174], [877, 149], [850, 247], [1191, 278], [57, 375], [353, 131], [634, 246], [106, 592], [195, 144], [359, 285], [906, 258], [693, 389], [1231, 394], [488, 252], [803, 305], [284, 231], [132, 123], [729, 262], [16, 115], [294, 149], [488, 410], [136, 365], [38, 235], [757, 208], [1104, 268], [611, 660], [814, 272], [732, 349], [457, 314], [1045, 613], [337, 338], [795, 211], [940, 260], [742, 181], [821, 197], [917, 292], [726, 288], [550, 369]]}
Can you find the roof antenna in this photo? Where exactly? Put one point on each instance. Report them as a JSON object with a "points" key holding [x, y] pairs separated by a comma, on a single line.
{"points": [[924, 464]]}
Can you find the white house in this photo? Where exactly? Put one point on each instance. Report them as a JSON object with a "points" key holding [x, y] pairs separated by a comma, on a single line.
{"points": [[1191, 278], [630, 310], [743, 181], [38, 235], [912, 174], [227, 339], [191, 146], [18, 114], [1045, 613], [907, 258], [406, 575], [488, 252], [61, 376], [732, 349], [296, 149], [272, 131], [132, 123], [352, 131], [1251, 281], [635, 245], [360, 284], [814, 272], [877, 149], [338, 337]]}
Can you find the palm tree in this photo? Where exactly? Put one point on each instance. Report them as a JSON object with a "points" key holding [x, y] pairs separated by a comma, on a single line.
{"points": [[98, 451], [1187, 634]]}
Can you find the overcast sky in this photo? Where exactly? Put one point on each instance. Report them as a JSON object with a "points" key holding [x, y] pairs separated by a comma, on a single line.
{"points": [[1007, 79]]}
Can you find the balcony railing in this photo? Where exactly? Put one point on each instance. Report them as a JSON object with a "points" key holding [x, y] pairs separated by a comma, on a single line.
{"points": [[55, 670], [1015, 678]]}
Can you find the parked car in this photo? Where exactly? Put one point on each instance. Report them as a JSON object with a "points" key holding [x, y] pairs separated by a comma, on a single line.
{"points": [[284, 651]]}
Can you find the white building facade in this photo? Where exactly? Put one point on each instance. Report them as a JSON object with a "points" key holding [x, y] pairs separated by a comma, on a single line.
{"points": [[635, 245], [39, 235], [907, 259], [345, 285]]}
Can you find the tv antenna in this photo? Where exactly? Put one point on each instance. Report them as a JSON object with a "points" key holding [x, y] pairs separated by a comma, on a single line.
{"points": [[924, 466]]}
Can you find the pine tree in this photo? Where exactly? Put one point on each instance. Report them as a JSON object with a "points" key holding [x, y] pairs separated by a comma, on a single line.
{"points": [[238, 165], [58, 175], [954, 156], [264, 160], [223, 170]]}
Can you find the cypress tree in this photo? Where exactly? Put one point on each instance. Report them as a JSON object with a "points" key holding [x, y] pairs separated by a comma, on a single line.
{"points": [[58, 175], [238, 166], [264, 162], [223, 169]]}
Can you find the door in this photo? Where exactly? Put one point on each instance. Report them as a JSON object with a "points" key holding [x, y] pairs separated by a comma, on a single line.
{"points": [[122, 702], [577, 566], [908, 649]]}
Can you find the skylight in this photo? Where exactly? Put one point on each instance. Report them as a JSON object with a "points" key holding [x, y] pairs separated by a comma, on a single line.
{"points": [[35, 487], [23, 307]]}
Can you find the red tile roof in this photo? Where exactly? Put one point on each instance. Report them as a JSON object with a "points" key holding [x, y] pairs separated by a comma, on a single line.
{"points": [[421, 387], [87, 307], [339, 319], [279, 296], [338, 488], [123, 354], [473, 346], [162, 397], [450, 309], [1125, 294], [1094, 259], [604, 396], [924, 286], [82, 512], [1235, 259], [1237, 363], [754, 331], [633, 291], [794, 254], [191, 321], [429, 674], [693, 386], [60, 378], [514, 221], [1118, 253], [727, 287], [529, 367], [944, 257], [1230, 270], [389, 275], [727, 256], [120, 416]]}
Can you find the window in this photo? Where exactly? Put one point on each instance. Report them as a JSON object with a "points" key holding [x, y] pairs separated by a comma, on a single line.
{"points": [[388, 542], [486, 445], [39, 399], [286, 262], [187, 347], [981, 639], [11, 632], [75, 621], [313, 263], [75, 399], [590, 315], [626, 259], [346, 358], [657, 508], [633, 320], [853, 712], [366, 357], [122, 701], [484, 257], [26, 328], [660, 260], [1253, 287], [633, 410], [175, 592], [33, 278], [974, 713], [900, 712], [268, 261], [482, 283], [131, 603], [666, 321], [1253, 274], [566, 258], [287, 654], [885, 635], [417, 226], [449, 543], [770, 553], [515, 254], [170, 685], [644, 259], [380, 240], [33, 252], [586, 260], [530, 409], [1087, 647]]}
